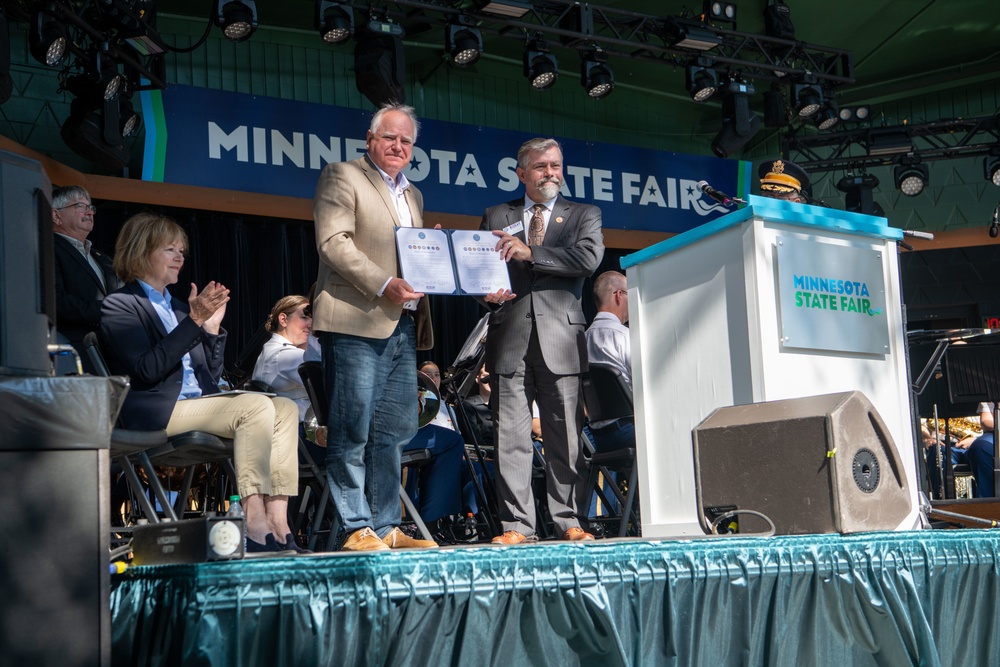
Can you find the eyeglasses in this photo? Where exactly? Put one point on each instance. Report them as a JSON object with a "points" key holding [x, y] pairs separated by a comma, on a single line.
{"points": [[80, 206]]}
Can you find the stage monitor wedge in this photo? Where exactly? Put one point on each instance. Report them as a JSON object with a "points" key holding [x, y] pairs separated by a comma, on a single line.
{"points": [[817, 464]]}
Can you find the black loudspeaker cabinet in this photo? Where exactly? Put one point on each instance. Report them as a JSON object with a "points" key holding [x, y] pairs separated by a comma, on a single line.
{"points": [[818, 464], [27, 278]]}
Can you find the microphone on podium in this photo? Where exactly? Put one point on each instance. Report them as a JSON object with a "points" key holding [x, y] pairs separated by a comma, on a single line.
{"points": [[718, 196]]}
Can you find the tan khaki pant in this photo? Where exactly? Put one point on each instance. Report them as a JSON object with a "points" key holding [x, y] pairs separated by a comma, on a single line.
{"points": [[264, 432]]}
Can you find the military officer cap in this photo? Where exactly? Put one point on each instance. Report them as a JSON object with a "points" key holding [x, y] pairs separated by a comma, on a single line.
{"points": [[782, 176]]}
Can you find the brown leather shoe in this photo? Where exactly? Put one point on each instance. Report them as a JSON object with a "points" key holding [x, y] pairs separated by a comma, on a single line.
{"points": [[514, 537], [364, 540], [577, 534], [397, 539]]}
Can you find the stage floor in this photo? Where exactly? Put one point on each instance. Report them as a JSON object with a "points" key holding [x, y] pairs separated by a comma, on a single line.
{"points": [[922, 597]]}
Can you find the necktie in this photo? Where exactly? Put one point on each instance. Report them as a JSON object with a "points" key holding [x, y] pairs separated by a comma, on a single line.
{"points": [[536, 230]]}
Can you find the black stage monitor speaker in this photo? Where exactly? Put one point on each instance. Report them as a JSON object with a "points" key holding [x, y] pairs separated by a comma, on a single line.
{"points": [[189, 540], [818, 464], [27, 278]]}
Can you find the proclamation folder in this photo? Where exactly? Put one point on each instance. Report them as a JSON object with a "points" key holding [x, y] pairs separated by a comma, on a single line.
{"points": [[773, 301]]}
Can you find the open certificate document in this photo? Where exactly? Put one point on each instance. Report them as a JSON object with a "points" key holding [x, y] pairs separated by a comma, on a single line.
{"points": [[451, 261]]}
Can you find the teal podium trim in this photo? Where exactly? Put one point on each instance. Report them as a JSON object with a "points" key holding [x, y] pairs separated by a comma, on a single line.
{"points": [[772, 210]]}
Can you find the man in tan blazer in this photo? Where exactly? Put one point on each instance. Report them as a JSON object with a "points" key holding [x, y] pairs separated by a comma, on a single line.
{"points": [[370, 323], [536, 350]]}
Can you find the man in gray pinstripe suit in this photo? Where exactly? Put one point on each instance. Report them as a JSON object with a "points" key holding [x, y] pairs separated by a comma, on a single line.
{"points": [[536, 349]]}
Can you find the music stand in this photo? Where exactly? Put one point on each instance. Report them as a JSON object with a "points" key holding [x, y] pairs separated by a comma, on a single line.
{"points": [[974, 375], [456, 384]]}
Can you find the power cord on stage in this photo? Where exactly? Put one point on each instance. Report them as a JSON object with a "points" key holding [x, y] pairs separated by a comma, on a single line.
{"points": [[729, 515]]}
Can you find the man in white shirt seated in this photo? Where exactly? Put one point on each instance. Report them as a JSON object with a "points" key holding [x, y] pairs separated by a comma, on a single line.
{"points": [[608, 343]]}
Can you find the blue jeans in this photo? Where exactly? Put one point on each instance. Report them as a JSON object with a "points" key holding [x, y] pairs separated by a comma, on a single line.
{"points": [[371, 385]]}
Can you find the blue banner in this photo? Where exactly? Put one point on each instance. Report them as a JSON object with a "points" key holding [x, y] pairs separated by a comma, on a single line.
{"points": [[249, 143]]}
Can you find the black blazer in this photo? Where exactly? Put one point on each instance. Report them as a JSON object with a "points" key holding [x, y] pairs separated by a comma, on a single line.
{"points": [[137, 344], [78, 290]]}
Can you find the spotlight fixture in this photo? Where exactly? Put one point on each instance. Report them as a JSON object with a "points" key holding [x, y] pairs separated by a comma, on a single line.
{"points": [[596, 75], [129, 121], [858, 196], [334, 21], [995, 224], [854, 114], [911, 176], [540, 66], [720, 12], [109, 80], [991, 169], [47, 38], [702, 81], [93, 132], [464, 43], [827, 115], [807, 96], [687, 34], [237, 18], [739, 124]]}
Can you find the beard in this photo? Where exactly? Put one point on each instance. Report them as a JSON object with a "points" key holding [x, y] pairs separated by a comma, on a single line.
{"points": [[549, 188]]}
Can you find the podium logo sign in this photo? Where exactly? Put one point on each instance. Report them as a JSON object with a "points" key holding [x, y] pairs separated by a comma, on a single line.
{"points": [[831, 297]]}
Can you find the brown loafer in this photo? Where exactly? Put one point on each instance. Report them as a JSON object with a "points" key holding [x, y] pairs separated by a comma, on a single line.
{"points": [[577, 534], [514, 537], [363, 540], [397, 539]]}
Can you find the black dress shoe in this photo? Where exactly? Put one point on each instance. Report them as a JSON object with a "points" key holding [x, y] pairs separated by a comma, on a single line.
{"points": [[291, 545], [270, 545]]}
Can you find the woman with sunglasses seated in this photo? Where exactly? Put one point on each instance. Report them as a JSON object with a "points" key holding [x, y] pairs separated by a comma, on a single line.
{"points": [[173, 354]]}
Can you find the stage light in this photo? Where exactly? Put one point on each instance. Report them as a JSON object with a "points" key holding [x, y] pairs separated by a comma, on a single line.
{"points": [[911, 177], [807, 97], [858, 196], [464, 43], [739, 124], [109, 80], [47, 39], [380, 63], [995, 223], [827, 115], [510, 8], [334, 21], [540, 66], [237, 18], [702, 81], [596, 76], [724, 12], [889, 142], [686, 34], [991, 169], [854, 114], [92, 131], [129, 121]]}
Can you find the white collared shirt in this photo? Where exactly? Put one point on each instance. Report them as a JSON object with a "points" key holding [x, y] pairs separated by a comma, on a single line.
{"points": [[397, 192]]}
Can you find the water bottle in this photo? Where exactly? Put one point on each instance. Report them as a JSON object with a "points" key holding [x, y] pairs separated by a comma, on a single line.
{"points": [[235, 508]]}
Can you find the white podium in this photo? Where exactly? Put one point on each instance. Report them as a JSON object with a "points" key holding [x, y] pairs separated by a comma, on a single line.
{"points": [[773, 301]]}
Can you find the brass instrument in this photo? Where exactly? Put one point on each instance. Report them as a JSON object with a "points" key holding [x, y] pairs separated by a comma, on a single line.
{"points": [[959, 427]]}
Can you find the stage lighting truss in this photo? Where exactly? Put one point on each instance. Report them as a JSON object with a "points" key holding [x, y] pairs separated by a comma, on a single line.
{"points": [[991, 168], [701, 79], [464, 42], [540, 67], [911, 176], [334, 21], [236, 18], [47, 38], [596, 75]]}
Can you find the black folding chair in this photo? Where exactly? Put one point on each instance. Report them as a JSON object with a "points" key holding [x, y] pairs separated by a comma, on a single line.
{"points": [[311, 373], [608, 398], [149, 449]]}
